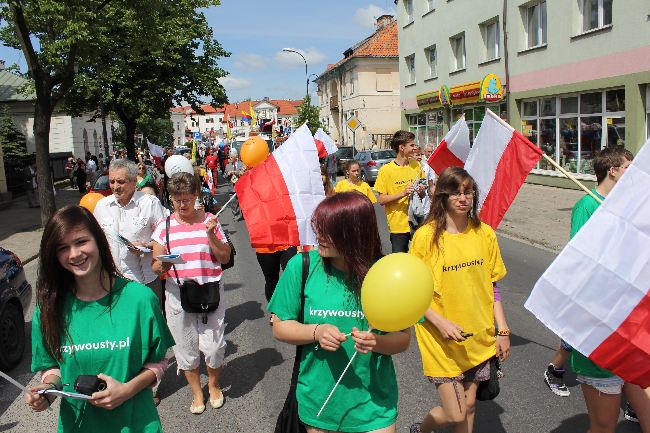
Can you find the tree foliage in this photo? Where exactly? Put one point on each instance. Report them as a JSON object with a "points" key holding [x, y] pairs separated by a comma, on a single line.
{"points": [[310, 114], [13, 141], [147, 69]]}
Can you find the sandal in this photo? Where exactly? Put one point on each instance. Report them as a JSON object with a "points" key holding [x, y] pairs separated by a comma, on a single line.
{"points": [[197, 410], [216, 403]]}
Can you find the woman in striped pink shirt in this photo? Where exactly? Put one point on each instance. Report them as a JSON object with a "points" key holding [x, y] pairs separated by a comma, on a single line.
{"points": [[198, 237]]}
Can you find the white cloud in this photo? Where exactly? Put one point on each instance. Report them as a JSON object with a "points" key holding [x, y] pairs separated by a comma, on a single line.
{"points": [[250, 61], [292, 60], [233, 83], [367, 17]]}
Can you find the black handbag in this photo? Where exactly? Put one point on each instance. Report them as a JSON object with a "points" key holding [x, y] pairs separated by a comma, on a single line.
{"points": [[489, 389], [288, 420], [195, 297]]}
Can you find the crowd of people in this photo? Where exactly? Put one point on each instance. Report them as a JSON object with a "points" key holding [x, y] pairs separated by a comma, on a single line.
{"points": [[137, 265]]}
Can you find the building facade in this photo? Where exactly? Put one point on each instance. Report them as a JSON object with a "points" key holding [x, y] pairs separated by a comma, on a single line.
{"points": [[574, 74], [364, 84]]}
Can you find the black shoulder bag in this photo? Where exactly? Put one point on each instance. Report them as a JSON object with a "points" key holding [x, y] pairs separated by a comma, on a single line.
{"points": [[195, 297], [489, 389], [288, 420]]}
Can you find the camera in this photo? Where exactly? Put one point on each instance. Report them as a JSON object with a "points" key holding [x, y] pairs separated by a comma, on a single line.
{"points": [[88, 384]]}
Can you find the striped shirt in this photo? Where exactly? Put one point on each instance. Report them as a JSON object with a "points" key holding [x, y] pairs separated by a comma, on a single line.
{"points": [[191, 242]]}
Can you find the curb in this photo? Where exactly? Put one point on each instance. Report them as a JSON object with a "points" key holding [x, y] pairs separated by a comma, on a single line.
{"points": [[29, 259]]}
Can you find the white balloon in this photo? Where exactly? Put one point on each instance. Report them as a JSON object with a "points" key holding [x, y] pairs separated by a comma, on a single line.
{"points": [[177, 164]]}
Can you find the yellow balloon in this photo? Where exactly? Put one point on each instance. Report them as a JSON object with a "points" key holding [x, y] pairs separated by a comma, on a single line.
{"points": [[396, 292], [89, 201], [254, 151]]}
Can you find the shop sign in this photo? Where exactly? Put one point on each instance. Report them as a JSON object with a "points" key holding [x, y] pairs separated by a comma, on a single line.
{"points": [[429, 100], [445, 96], [491, 89]]}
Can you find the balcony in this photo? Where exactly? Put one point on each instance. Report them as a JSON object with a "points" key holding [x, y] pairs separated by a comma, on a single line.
{"points": [[334, 103]]}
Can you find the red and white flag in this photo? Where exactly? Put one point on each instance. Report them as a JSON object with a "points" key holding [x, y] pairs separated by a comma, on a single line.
{"points": [[499, 162], [595, 295], [209, 180], [155, 150], [278, 196], [324, 144], [453, 149]]}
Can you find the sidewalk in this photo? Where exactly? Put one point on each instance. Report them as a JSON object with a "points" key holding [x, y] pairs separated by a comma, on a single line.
{"points": [[539, 216], [20, 226]]}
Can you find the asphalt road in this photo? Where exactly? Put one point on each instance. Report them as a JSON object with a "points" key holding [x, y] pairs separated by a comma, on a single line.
{"points": [[256, 377]]}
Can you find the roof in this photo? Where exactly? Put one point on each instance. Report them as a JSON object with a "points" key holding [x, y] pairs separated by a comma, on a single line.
{"points": [[286, 107], [10, 85], [381, 44]]}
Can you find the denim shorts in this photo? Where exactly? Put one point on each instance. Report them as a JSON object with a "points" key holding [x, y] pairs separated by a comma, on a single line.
{"points": [[607, 385]]}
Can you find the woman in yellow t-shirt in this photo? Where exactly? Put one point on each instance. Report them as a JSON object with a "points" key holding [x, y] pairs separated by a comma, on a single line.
{"points": [[354, 183], [458, 337]]}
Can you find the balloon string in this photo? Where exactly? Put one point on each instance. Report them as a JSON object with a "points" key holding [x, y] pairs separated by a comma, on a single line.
{"points": [[339, 381]]}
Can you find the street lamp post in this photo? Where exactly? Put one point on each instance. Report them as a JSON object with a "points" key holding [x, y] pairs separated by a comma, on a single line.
{"points": [[291, 50]]}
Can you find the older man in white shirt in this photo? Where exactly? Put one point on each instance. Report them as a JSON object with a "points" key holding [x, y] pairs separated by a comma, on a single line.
{"points": [[128, 218]]}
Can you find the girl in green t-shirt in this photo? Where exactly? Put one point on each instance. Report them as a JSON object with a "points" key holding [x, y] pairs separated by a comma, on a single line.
{"points": [[366, 399], [90, 321]]}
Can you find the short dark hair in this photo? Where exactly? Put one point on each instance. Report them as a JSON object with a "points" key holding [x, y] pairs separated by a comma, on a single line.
{"points": [[610, 157], [399, 138], [182, 183]]}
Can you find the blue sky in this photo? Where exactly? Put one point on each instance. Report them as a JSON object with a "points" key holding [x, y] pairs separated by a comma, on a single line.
{"points": [[255, 33]]}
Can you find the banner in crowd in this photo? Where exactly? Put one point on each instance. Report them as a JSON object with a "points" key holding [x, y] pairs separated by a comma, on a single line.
{"points": [[278, 196], [595, 294]]}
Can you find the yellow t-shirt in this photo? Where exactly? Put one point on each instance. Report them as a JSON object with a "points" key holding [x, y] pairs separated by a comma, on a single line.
{"points": [[463, 268], [391, 179], [345, 185]]}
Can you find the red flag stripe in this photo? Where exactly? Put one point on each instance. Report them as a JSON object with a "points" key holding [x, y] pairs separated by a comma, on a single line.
{"points": [[625, 351], [322, 152], [262, 192], [517, 160], [442, 157]]}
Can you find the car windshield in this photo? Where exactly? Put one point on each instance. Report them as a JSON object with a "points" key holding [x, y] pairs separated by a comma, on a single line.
{"points": [[344, 152], [101, 183], [383, 154]]}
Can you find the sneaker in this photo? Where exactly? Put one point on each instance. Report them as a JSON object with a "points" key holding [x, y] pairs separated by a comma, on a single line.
{"points": [[555, 381], [415, 428], [629, 414]]}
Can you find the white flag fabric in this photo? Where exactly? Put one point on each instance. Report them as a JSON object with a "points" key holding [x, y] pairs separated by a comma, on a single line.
{"points": [[324, 144], [155, 150], [595, 294]]}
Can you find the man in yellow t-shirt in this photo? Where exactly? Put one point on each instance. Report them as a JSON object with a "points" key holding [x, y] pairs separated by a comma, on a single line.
{"points": [[396, 181]]}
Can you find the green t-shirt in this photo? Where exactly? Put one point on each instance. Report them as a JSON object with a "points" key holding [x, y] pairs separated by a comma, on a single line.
{"points": [[116, 342], [366, 398], [582, 211]]}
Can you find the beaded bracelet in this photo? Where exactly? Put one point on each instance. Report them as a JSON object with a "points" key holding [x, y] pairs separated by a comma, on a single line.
{"points": [[503, 332], [315, 328]]}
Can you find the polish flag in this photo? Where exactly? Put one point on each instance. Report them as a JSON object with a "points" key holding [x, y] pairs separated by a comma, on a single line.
{"points": [[453, 149], [595, 295], [278, 196], [324, 144], [209, 180], [499, 162]]}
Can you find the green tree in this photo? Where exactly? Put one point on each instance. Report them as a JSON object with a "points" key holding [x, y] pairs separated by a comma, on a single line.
{"points": [[146, 70], [14, 145], [310, 114]]}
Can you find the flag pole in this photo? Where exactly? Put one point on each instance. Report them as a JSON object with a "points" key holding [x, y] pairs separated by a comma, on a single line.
{"points": [[551, 161]]}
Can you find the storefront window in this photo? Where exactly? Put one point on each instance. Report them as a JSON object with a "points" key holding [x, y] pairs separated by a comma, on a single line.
{"points": [[586, 123], [427, 128]]}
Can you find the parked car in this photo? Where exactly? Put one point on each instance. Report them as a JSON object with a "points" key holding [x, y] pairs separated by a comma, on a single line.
{"points": [[15, 299], [101, 185], [371, 160], [343, 155], [182, 150]]}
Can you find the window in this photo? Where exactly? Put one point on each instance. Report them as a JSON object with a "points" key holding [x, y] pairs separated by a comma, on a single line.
{"points": [[430, 5], [490, 34], [410, 69], [535, 25], [458, 51], [595, 14], [474, 116], [351, 83], [384, 82], [408, 7], [572, 128], [432, 61]]}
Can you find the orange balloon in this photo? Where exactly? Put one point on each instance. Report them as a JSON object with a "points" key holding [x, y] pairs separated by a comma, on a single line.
{"points": [[89, 201], [254, 151]]}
